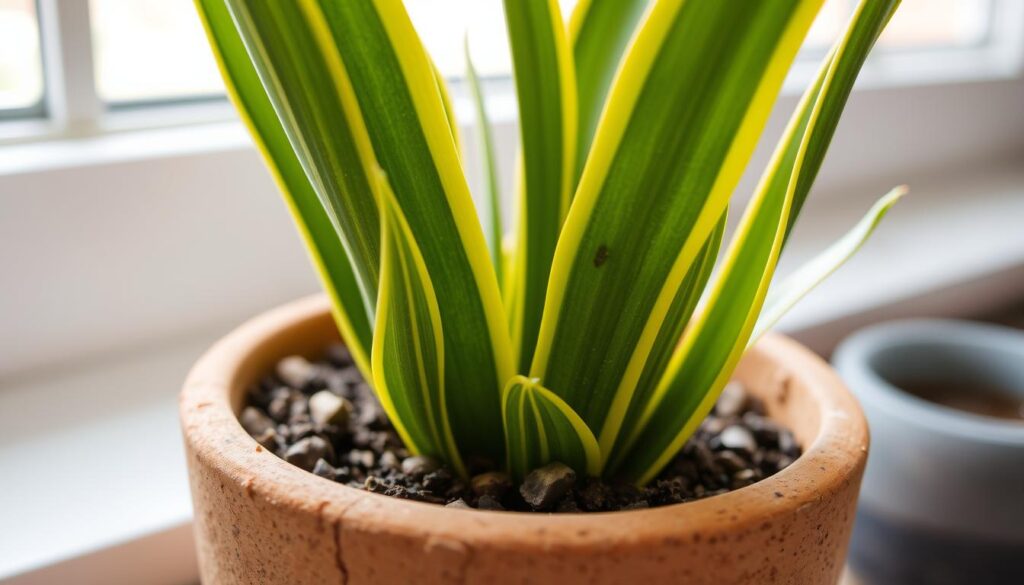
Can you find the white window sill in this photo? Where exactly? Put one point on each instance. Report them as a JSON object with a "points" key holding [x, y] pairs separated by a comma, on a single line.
{"points": [[89, 498], [95, 486], [952, 247]]}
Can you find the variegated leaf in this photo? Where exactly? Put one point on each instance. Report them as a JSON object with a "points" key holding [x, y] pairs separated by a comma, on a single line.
{"points": [[714, 343], [540, 428]]}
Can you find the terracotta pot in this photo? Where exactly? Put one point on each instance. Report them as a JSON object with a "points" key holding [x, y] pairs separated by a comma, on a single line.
{"points": [[258, 519]]}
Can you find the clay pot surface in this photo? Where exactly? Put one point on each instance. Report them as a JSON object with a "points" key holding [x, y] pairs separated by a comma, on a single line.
{"points": [[259, 519]]}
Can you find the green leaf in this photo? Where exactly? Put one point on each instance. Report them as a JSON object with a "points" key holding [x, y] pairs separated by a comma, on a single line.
{"points": [[408, 342], [713, 345], [492, 190], [598, 32], [540, 428], [327, 135], [375, 44], [349, 307], [676, 320], [446, 103], [690, 100], [843, 77], [546, 92], [782, 296]]}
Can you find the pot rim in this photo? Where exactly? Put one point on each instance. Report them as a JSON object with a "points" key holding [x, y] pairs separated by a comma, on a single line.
{"points": [[211, 428], [854, 359]]}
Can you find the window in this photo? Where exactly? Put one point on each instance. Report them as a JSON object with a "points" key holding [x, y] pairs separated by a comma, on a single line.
{"points": [[923, 24], [79, 61], [151, 50], [918, 25], [21, 70]]}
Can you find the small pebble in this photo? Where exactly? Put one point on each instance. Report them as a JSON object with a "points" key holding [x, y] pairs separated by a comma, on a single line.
{"points": [[339, 356], [298, 409], [459, 503], [787, 444], [736, 438], [743, 478], [372, 416], [343, 474], [765, 431], [255, 422], [705, 458], [326, 407], [280, 407], [730, 461], [305, 453], [438, 481], [544, 486], [389, 461], [325, 469], [745, 475], [364, 459], [491, 483], [419, 466], [714, 425], [300, 430], [732, 401], [295, 371], [486, 502], [269, 439]]}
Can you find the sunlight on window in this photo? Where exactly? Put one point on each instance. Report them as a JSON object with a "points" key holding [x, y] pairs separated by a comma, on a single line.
{"points": [[442, 24], [919, 24], [937, 23], [21, 71], [151, 50]]}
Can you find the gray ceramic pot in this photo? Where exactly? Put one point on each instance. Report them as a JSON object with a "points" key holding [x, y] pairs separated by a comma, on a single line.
{"points": [[943, 496]]}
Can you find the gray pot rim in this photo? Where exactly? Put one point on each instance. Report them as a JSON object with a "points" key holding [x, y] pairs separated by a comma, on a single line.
{"points": [[853, 360]]}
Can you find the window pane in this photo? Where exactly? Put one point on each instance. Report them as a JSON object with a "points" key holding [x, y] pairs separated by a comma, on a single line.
{"points": [[828, 25], [21, 70], [151, 50], [442, 24], [937, 23], [918, 24]]}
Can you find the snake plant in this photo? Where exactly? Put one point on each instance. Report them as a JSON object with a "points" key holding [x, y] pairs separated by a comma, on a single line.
{"points": [[636, 121]]}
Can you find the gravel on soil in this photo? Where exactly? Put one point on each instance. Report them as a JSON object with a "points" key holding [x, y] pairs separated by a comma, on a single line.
{"points": [[323, 417]]}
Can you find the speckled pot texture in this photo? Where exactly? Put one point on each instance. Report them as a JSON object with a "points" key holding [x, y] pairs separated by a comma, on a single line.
{"points": [[259, 519]]}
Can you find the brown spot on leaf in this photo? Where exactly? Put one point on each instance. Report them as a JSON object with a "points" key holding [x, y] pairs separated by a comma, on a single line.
{"points": [[602, 255]]}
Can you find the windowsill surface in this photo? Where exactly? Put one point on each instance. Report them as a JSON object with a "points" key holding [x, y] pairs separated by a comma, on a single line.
{"points": [[92, 459], [949, 231]]}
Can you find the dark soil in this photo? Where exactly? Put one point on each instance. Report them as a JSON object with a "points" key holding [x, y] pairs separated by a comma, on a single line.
{"points": [[324, 418]]}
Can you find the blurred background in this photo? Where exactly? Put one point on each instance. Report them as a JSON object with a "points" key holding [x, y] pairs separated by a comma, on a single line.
{"points": [[138, 224]]}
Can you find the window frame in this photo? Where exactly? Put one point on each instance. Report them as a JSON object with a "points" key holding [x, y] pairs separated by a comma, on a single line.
{"points": [[37, 109], [71, 104], [72, 107]]}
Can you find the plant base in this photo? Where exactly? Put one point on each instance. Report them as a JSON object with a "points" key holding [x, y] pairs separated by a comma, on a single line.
{"points": [[259, 518]]}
